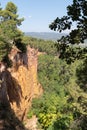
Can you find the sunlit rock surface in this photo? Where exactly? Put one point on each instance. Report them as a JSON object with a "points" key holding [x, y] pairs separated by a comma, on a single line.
{"points": [[19, 84]]}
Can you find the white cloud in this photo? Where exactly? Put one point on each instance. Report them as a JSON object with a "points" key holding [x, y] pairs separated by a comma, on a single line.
{"points": [[26, 17], [29, 16]]}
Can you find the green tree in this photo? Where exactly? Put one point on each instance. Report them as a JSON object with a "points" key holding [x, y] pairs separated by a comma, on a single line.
{"points": [[9, 22], [9, 32], [52, 105], [76, 12]]}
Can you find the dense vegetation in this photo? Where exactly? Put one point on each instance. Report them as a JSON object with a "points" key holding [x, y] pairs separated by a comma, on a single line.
{"points": [[42, 45], [63, 105], [76, 15], [9, 33]]}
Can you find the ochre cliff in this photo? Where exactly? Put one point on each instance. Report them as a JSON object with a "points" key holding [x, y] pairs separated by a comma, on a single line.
{"points": [[20, 82]]}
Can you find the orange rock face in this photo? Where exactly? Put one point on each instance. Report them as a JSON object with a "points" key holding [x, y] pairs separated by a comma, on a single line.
{"points": [[26, 77], [21, 81]]}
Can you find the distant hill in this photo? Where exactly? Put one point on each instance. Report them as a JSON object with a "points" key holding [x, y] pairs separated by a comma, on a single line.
{"points": [[48, 36], [45, 35]]}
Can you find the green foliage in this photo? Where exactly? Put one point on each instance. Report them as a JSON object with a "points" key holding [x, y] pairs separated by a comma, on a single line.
{"points": [[52, 105], [70, 53], [30, 114], [11, 7], [9, 21], [81, 74], [49, 76], [76, 12], [42, 45], [4, 49], [63, 123], [9, 32], [46, 119], [77, 85], [48, 108], [63, 101], [63, 105]]}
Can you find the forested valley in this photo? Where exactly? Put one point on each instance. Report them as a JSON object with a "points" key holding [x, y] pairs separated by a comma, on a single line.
{"points": [[62, 67], [63, 104]]}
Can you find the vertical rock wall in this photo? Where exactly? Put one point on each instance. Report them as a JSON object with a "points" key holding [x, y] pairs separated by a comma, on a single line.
{"points": [[21, 80]]}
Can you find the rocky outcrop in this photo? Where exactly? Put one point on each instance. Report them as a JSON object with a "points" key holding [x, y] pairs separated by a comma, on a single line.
{"points": [[19, 84], [31, 124]]}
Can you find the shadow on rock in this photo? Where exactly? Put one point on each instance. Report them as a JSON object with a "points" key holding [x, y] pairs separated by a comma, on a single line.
{"points": [[8, 119], [10, 91]]}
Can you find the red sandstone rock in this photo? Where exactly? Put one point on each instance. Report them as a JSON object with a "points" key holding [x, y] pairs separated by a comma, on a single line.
{"points": [[21, 80]]}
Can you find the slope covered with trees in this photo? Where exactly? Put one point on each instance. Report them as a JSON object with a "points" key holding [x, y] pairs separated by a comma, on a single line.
{"points": [[63, 105]]}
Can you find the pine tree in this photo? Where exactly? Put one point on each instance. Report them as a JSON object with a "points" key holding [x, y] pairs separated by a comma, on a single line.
{"points": [[9, 32]]}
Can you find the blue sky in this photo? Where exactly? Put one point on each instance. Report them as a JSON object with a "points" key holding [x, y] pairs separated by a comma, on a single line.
{"points": [[39, 14]]}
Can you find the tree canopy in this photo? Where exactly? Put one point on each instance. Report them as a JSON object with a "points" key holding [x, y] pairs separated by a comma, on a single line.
{"points": [[77, 15], [9, 32], [77, 12], [9, 21]]}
